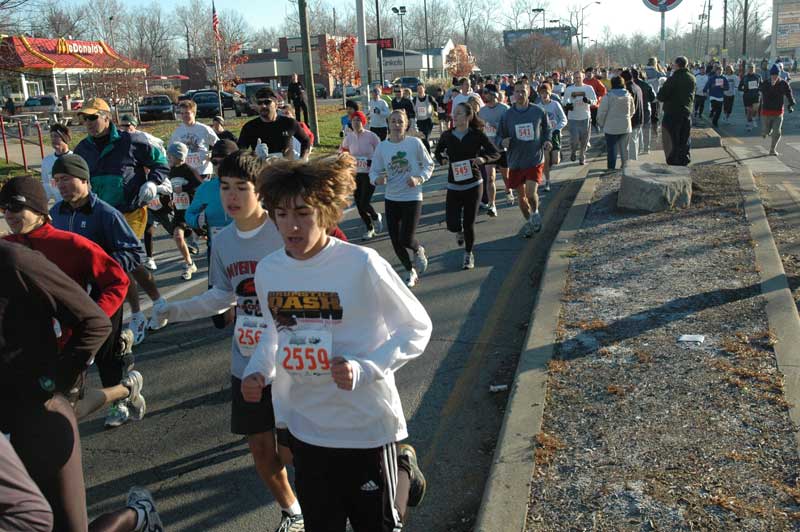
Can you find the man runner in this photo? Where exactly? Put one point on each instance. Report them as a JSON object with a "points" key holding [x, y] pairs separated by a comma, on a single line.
{"points": [[774, 91], [273, 131]]}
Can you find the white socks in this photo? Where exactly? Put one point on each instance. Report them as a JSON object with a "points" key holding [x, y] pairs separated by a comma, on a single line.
{"points": [[294, 509]]}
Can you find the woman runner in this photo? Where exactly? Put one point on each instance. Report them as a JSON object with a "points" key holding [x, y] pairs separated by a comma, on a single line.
{"points": [[361, 144]]}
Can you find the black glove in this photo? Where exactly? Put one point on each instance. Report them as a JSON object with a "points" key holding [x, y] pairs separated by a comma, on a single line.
{"points": [[585, 99], [791, 108], [341, 133], [568, 107]]}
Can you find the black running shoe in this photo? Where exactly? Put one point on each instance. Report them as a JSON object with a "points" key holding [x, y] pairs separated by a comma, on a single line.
{"points": [[407, 461]]}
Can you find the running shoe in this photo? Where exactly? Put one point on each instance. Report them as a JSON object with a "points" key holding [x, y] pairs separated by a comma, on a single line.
{"points": [[527, 230], [150, 264], [460, 238], [536, 222], [137, 406], [484, 206], [141, 501], [547, 186], [125, 342], [412, 279], [118, 414], [369, 235], [492, 211], [378, 224], [138, 326], [773, 152], [188, 270], [291, 523], [469, 261], [155, 324], [407, 461], [421, 260], [572, 156], [193, 246], [582, 161], [510, 197]]}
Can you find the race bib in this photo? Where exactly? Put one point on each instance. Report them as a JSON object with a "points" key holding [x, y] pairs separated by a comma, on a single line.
{"points": [[490, 130], [524, 131], [248, 333], [155, 204], [181, 200], [422, 111], [462, 170], [195, 160], [362, 165], [719, 82], [752, 85], [306, 354]]}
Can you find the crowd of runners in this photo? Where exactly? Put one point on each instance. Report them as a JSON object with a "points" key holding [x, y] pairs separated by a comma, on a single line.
{"points": [[310, 351]]}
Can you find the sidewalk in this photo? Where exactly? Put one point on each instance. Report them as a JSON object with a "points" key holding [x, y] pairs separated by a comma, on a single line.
{"points": [[634, 430], [32, 153]]}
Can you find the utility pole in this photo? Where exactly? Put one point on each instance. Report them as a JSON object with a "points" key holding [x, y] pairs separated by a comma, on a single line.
{"points": [[308, 69], [361, 30], [725, 24], [334, 21], [744, 30], [380, 45], [708, 28], [427, 42]]}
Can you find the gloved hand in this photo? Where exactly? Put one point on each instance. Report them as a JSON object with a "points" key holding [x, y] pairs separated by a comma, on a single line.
{"points": [[261, 151], [165, 188], [164, 313], [147, 193], [791, 108], [201, 219], [568, 107], [341, 133], [585, 99]]}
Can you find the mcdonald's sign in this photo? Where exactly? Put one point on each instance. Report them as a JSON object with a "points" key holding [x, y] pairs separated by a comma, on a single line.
{"points": [[71, 47]]}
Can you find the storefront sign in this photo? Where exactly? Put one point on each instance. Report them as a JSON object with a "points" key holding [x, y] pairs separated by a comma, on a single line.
{"points": [[75, 47]]}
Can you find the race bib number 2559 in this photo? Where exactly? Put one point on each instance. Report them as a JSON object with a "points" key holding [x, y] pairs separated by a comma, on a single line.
{"points": [[306, 354]]}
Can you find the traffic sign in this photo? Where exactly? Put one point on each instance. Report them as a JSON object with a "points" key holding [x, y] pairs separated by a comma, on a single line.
{"points": [[662, 5], [382, 43]]}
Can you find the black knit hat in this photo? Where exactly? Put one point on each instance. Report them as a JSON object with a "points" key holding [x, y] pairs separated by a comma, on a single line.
{"points": [[223, 148], [73, 165], [24, 191]]}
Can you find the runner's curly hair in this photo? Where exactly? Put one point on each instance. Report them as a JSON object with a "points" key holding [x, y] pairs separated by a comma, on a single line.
{"points": [[242, 164], [325, 184]]}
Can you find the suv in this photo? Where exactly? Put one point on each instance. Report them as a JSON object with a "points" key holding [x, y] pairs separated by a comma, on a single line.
{"points": [[407, 82], [156, 107], [207, 103], [227, 97], [350, 91], [245, 98], [42, 104]]}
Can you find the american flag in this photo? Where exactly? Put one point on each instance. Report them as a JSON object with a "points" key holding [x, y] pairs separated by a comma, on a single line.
{"points": [[215, 22]]}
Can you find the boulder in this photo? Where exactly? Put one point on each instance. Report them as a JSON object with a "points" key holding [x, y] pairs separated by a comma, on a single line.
{"points": [[654, 187]]}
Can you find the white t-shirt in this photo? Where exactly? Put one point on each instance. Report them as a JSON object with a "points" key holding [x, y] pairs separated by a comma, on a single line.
{"points": [[199, 138], [346, 301], [401, 160], [459, 98], [378, 111], [574, 95]]}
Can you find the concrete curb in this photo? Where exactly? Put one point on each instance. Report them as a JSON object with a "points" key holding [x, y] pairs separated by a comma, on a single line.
{"points": [[710, 140], [784, 321], [505, 498]]}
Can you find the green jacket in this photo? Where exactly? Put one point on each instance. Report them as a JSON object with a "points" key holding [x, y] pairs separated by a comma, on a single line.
{"points": [[677, 93]]}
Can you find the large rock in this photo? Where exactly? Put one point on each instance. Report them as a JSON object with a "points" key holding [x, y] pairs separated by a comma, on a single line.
{"points": [[654, 187]]}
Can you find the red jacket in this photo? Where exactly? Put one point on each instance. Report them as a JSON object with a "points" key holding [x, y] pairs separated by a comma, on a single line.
{"points": [[308, 132], [83, 261], [599, 89]]}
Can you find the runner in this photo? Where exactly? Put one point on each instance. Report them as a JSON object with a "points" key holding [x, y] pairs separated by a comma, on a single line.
{"points": [[556, 119], [730, 94], [340, 415], [700, 96], [773, 92], [351, 107], [130, 124], [34, 378], [677, 95], [599, 91], [490, 114], [466, 148], [648, 99], [361, 144], [578, 98], [199, 138], [407, 165], [274, 131], [59, 138], [525, 132], [378, 111], [715, 88], [751, 94], [184, 183], [464, 94], [424, 107], [236, 251], [218, 125], [441, 110], [127, 172]]}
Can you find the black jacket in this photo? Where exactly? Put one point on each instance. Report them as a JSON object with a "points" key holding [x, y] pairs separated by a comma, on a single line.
{"points": [[638, 104], [406, 105], [474, 144], [649, 97], [772, 103], [677, 93]]}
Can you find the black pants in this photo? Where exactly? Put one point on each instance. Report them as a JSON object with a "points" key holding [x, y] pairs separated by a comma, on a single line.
{"points": [[461, 209], [699, 104], [111, 366], [380, 131], [716, 111], [728, 107], [425, 127], [334, 485], [679, 128], [402, 218], [593, 112], [300, 105], [363, 197], [655, 108]]}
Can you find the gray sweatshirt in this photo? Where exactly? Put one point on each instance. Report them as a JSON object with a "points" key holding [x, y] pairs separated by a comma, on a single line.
{"points": [[528, 129]]}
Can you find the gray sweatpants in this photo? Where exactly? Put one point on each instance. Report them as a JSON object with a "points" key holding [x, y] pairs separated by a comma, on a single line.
{"points": [[772, 125], [578, 136]]}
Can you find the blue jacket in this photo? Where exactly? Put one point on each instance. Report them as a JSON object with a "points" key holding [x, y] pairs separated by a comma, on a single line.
{"points": [[713, 89], [102, 224], [118, 169], [206, 199]]}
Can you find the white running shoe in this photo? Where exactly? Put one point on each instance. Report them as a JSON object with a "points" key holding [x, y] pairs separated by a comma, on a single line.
{"points": [[369, 235], [378, 224], [536, 222], [291, 523], [412, 279], [460, 238], [492, 211], [484, 206], [421, 260], [547, 186], [155, 324], [188, 270], [138, 326], [136, 403], [140, 500], [150, 264], [125, 342], [118, 414], [469, 261], [510, 197]]}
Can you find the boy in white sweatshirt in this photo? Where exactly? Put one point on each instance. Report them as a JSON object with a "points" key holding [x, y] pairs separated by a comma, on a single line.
{"points": [[341, 322]]}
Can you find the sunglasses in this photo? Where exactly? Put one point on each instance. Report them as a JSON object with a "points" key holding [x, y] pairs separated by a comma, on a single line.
{"points": [[89, 118], [14, 208]]}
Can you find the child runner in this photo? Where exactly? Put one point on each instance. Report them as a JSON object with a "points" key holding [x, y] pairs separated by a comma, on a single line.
{"points": [[467, 148], [556, 119], [407, 165], [184, 181], [236, 251], [333, 343], [361, 144]]}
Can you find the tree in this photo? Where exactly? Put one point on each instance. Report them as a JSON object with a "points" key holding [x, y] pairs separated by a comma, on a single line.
{"points": [[460, 62], [340, 62], [537, 53]]}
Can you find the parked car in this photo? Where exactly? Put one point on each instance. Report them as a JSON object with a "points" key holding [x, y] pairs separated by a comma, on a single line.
{"points": [[350, 91], [320, 90], [76, 104], [156, 107], [407, 82], [227, 97], [207, 104], [42, 104], [245, 98], [186, 95]]}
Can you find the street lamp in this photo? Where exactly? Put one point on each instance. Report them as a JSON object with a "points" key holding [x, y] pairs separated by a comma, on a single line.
{"points": [[544, 20], [583, 33], [401, 12]]}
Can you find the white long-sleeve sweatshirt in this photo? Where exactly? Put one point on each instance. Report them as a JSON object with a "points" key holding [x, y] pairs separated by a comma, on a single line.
{"points": [[401, 160], [374, 321]]}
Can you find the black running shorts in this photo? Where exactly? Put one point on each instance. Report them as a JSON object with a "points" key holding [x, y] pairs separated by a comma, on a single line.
{"points": [[251, 418]]}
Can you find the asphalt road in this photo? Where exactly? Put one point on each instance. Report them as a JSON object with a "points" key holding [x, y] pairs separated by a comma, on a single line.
{"points": [[202, 476]]}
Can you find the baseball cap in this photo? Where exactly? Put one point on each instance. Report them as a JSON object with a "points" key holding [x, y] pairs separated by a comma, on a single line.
{"points": [[130, 119], [24, 191], [218, 119], [179, 150], [94, 106]]}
